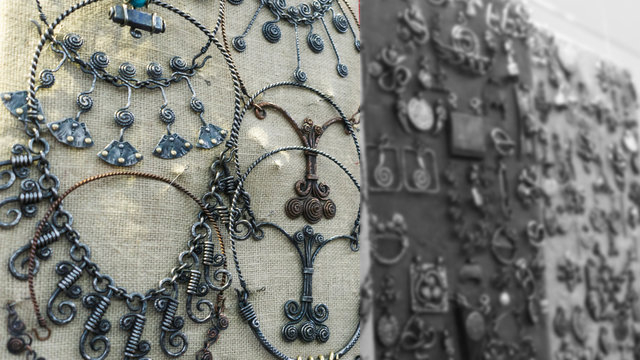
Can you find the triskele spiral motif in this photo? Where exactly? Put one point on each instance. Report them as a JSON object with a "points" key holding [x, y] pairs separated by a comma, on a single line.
{"points": [[178, 64], [421, 179], [239, 43], [329, 209], [289, 332], [312, 210], [85, 102], [340, 23], [293, 208], [167, 116], [343, 70], [315, 42], [99, 60], [154, 70], [124, 118], [73, 41], [196, 105], [271, 32], [300, 75], [383, 175], [47, 79], [127, 70]]}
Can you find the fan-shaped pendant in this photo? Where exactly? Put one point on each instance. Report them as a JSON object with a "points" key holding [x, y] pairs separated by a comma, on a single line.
{"points": [[120, 153], [210, 136], [16, 103], [172, 147], [71, 132]]}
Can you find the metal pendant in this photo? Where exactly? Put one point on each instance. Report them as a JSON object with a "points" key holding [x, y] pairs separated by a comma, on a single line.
{"points": [[71, 132], [137, 20], [120, 153], [172, 146], [210, 136], [16, 103]]}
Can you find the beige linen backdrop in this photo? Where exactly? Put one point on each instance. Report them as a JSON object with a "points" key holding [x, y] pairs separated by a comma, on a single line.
{"points": [[136, 228]]}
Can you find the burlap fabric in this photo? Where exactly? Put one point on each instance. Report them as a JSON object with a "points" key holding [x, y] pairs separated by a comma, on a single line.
{"points": [[136, 228]]}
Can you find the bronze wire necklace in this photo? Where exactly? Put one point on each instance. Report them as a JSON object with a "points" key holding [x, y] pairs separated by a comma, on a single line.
{"points": [[165, 297]]}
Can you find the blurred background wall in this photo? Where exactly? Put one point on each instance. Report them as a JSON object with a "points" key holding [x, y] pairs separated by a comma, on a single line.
{"points": [[607, 28]]}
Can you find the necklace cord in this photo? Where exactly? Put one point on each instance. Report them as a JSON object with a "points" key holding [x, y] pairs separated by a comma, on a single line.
{"points": [[56, 204]]}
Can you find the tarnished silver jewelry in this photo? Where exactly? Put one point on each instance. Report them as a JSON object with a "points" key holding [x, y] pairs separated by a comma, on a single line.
{"points": [[303, 15], [394, 230], [19, 342], [200, 268], [242, 225], [25, 106], [73, 132], [429, 287], [465, 50]]}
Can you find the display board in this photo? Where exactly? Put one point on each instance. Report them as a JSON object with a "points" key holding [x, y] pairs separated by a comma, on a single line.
{"points": [[478, 125]]}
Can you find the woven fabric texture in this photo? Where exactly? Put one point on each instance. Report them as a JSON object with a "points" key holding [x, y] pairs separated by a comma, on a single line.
{"points": [[136, 228]]}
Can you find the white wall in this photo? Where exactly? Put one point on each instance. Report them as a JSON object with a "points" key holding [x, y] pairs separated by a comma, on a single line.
{"points": [[609, 28]]}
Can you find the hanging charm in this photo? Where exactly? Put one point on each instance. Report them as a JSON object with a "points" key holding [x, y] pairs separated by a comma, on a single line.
{"points": [[297, 16], [120, 152], [71, 131], [171, 145]]}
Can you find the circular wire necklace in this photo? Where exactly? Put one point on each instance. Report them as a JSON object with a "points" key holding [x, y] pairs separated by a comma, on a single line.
{"points": [[305, 321], [199, 267]]}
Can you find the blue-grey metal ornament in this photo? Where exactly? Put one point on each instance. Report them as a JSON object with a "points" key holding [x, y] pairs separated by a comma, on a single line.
{"points": [[120, 153], [211, 136], [16, 103], [71, 132], [172, 146], [137, 20]]}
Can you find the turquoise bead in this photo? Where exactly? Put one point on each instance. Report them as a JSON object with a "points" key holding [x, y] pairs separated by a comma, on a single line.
{"points": [[138, 3]]}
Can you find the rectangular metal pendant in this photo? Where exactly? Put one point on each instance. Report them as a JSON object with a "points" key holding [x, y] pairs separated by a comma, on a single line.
{"points": [[137, 20]]}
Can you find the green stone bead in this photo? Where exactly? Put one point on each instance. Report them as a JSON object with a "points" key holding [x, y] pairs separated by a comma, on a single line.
{"points": [[138, 3]]}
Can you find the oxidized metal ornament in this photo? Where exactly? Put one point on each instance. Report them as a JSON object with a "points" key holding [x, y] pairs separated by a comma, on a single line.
{"points": [[71, 132], [420, 170], [464, 52], [464, 139], [412, 27], [16, 103], [417, 338], [120, 153], [308, 245], [394, 231], [387, 167], [606, 345], [387, 325], [429, 286], [302, 15], [19, 342], [172, 147], [579, 325], [561, 325], [312, 200], [569, 272], [94, 342], [420, 114], [137, 20]]}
